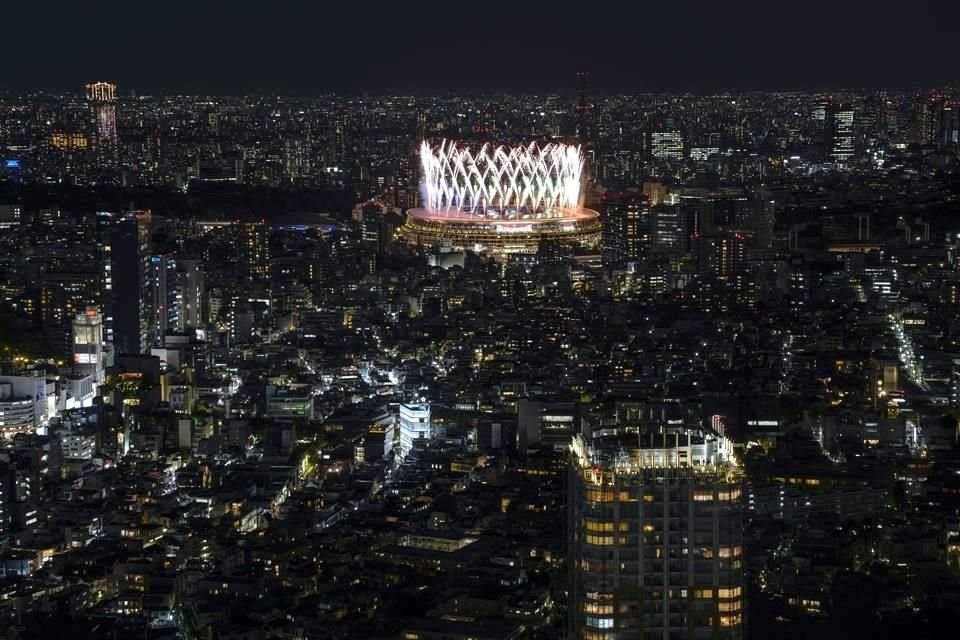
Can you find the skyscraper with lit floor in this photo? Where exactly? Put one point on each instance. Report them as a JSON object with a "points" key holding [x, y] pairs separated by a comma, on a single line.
{"points": [[254, 250], [132, 288], [414, 425], [627, 227], [88, 353], [103, 97], [655, 538], [839, 132]]}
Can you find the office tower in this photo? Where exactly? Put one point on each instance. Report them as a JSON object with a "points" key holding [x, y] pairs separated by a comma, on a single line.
{"points": [[583, 110], [586, 129], [191, 290], [696, 215], [666, 145], [763, 222], [102, 97], [414, 425], [254, 246], [819, 112], [839, 132], [627, 229], [949, 135], [407, 191], [872, 119], [336, 137], [712, 213], [666, 140], [165, 303], [88, 354], [667, 228], [370, 216], [132, 290], [655, 537], [421, 125]]}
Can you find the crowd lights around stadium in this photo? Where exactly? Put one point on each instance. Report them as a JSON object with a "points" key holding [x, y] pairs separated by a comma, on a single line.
{"points": [[501, 182]]}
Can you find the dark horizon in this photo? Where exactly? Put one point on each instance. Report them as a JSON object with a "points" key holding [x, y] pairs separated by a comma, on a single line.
{"points": [[124, 92], [571, 91], [696, 46]]}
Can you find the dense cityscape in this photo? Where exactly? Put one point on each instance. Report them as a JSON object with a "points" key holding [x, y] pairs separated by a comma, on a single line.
{"points": [[449, 367]]}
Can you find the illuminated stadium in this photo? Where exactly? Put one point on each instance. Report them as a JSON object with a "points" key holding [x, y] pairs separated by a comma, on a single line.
{"points": [[501, 200]]}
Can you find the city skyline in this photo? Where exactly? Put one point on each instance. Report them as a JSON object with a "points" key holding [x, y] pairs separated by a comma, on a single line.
{"points": [[567, 361]]}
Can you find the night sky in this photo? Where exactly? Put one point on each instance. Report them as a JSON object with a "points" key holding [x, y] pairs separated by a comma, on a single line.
{"points": [[316, 46]]}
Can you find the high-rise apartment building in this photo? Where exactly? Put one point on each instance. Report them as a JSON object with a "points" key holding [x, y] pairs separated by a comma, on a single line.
{"points": [[655, 538], [730, 256], [926, 118], [254, 249], [103, 97], [627, 227]]}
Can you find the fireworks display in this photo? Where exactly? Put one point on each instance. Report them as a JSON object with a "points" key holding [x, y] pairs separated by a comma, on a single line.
{"points": [[501, 181]]}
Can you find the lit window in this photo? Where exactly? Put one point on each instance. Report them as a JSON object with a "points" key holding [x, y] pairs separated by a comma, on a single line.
{"points": [[730, 621], [600, 609], [599, 623], [596, 495]]}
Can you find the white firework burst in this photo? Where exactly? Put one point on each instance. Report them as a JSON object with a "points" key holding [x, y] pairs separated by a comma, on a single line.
{"points": [[507, 181]]}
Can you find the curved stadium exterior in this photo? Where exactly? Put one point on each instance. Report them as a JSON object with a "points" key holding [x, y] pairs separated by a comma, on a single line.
{"points": [[501, 200]]}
